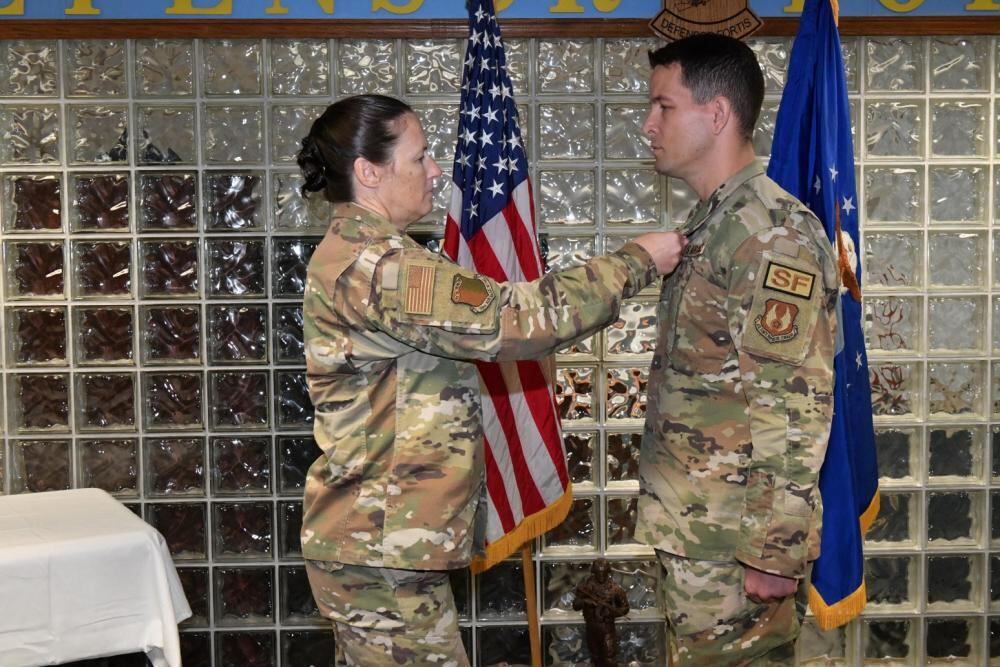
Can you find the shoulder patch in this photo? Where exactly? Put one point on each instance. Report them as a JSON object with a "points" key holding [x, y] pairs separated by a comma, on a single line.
{"points": [[473, 292], [419, 288], [788, 280], [777, 323]]}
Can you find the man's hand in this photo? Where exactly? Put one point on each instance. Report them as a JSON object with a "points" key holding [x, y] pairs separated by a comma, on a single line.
{"points": [[763, 587], [665, 248]]}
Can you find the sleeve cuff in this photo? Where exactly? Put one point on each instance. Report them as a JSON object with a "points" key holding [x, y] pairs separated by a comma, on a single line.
{"points": [[641, 267]]}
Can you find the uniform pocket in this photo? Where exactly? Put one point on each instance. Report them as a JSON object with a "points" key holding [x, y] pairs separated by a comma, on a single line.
{"points": [[701, 340], [342, 435]]}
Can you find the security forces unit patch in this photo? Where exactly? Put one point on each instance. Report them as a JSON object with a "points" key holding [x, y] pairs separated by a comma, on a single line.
{"points": [[788, 280], [777, 323], [784, 310]]}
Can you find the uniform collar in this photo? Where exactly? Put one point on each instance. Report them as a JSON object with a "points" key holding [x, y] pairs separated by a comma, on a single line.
{"points": [[364, 216], [704, 209]]}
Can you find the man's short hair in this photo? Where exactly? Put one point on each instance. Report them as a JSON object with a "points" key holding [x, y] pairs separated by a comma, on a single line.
{"points": [[714, 65]]}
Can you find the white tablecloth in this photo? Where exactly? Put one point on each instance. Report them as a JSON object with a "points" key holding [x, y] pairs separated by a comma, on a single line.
{"points": [[83, 577]]}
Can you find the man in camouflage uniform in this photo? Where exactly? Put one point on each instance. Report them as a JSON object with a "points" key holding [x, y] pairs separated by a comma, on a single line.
{"points": [[397, 498], [740, 397]]}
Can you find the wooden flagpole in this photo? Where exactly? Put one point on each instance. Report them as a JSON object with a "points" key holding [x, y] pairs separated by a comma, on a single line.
{"points": [[528, 566]]}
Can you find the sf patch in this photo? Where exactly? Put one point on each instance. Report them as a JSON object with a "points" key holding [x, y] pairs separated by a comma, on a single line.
{"points": [[777, 323], [789, 280], [473, 292], [785, 309]]}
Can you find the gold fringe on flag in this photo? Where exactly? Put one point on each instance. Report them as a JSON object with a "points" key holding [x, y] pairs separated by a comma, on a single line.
{"points": [[530, 527]]}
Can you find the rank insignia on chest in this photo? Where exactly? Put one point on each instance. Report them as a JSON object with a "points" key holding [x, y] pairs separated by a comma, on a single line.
{"points": [[777, 323], [475, 293], [788, 280], [419, 289]]}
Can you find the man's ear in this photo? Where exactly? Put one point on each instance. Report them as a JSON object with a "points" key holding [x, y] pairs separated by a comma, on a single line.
{"points": [[722, 113], [367, 173]]}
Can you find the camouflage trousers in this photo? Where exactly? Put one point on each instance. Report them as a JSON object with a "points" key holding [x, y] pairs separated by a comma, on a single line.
{"points": [[712, 622], [389, 617]]}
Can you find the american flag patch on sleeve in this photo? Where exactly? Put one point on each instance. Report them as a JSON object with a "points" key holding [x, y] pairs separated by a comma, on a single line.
{"points": [[419, 289]]}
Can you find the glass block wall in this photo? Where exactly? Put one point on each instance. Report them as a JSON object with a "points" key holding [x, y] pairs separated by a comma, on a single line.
{"points": [[155, 246]]}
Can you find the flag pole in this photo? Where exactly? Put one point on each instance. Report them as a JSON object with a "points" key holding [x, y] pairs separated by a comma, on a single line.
{"points": [[528, 567]]}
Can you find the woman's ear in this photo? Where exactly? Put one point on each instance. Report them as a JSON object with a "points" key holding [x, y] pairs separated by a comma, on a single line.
{"points": [[367, 173]]}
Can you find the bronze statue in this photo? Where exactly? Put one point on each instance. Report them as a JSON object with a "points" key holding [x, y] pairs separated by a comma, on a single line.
{"points": [[602, 601]]}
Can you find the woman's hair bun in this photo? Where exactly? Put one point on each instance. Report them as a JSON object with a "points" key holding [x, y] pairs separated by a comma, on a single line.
{"points": [[313, 166]]}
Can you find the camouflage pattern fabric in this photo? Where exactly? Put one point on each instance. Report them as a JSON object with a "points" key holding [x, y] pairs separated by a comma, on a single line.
{"points": [[713, 623], [390, 331], [741, 386], [388, 617]]}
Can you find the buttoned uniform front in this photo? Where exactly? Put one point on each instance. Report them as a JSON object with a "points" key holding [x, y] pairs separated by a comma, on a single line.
{"points": [[741, 385]]}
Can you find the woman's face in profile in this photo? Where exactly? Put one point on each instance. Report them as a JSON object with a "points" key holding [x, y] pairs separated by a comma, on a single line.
{"points": [[407, 187]]}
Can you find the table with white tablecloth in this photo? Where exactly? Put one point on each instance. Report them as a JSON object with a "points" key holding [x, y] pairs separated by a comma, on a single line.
{"points": [[83, 577]]}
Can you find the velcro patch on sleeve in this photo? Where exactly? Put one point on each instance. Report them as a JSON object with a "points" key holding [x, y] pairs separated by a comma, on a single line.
{"points": [[475, 292], [788, 280], [418, 288]]}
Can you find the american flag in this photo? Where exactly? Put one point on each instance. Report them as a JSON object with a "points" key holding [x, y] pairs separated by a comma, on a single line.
{"points": [[491, 229]]}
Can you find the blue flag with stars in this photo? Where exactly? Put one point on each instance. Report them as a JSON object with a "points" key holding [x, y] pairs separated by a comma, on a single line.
{"points": [[812, 157]]}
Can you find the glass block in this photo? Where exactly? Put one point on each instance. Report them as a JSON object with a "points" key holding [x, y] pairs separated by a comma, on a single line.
{"points": [[625, 397], [440, 126], [559, 582], [183, 527], [164, 67], [36, 336], [40, 402], [238, 399], [196, 649], [295, 454], [516, 53], [621, 515], [30, 134], [623, 135], [98, 134], [111, 465], [957, 323], [35, 269], [168, 202], [297, 606], [894, 128], [104, 335], [566, 131], [763, 135], [294, 408], [819, 647], [288, 125], [890, 642], [566, 251], [892, 324], [233, 133], [580, 448], [100, 202], [955, 388], [232, 67], [954, 518], [995, 395], [950, 639], [634, 332], [626, 65], [165, 134], [632, 197], [233, 201], [996, 320], [29, 68], [895, 388], [103, 269], [960, 63], [772, 56], [574, 393], [242, 530], [290, 258], [895, 64], [171, 334], [894, 194], [461, 587], [105, 401], [891, 582], [175, 466], [578, 532], [173, 400], [954, 582], [994, 638], [237, 334], [40, 465], [958, 194], [958, 128], [896, 525], [956, 455], [565, 65], [500, 593], [899, 454], [194, 581], [366, 66], [564, 645], [894, 259], [290, 529], [244, 596], [622, 457], [95, 68], [434, 66], [501, 644], [235, 268], [169, 268], [289, 343], [682, 200], [307, 647], [567, 197], [241, 466], [299, 67], [293, 211], [957, 259], [31, 203]]}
